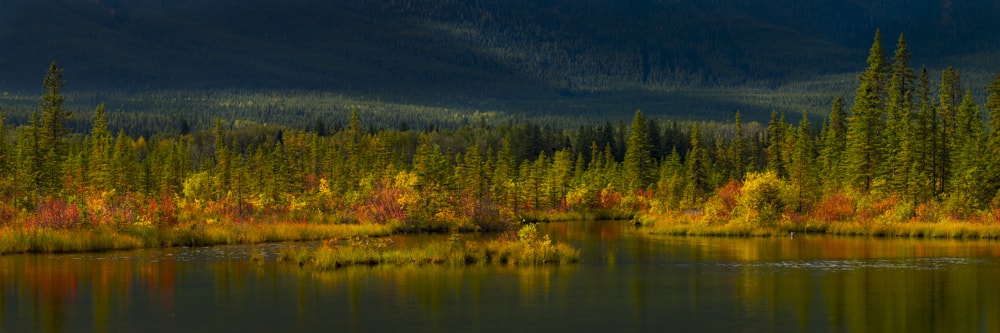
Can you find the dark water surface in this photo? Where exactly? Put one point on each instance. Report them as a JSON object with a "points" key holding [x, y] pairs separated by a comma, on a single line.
{"points": [[626, 281]]}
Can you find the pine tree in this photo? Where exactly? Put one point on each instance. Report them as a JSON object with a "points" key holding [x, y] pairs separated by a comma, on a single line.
{"points": [[924, 169], [775, 140], [697, 168], [864, 134], [672, 183], [504, 177], [51, 132], [4, 155], [638, 161], [992, 176], [834, 145], [801, 171], [100, 151], [223, 163], [898, 126], [738, 150], [967, 176], [949, 95], [54, 116]]}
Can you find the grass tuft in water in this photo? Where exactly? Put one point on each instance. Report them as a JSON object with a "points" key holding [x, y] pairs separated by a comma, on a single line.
{"points": [[527, 249]]}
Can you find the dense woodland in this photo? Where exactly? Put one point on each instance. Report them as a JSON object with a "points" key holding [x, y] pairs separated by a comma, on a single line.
{"points": [[432, 61], [905, 150]]}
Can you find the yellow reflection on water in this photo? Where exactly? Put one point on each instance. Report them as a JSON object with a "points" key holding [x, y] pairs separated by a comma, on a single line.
{"points": [[863, 285]]}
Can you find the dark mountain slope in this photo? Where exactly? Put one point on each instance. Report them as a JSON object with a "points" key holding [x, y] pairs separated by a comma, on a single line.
{"points": [[521, 51]]}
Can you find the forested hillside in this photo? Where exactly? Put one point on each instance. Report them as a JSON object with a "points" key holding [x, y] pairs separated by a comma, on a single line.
{"points": [[596, 59]]}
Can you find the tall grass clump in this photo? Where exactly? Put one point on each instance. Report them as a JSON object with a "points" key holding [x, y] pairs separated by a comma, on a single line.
{"points": [[527, 247]]}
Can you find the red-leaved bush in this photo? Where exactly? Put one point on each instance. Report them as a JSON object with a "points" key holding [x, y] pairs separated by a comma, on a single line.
{"points": [[835, 207], [55, 213]]}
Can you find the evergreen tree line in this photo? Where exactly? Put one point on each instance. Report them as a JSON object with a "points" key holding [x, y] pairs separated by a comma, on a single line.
{"points": [[899, 140]]}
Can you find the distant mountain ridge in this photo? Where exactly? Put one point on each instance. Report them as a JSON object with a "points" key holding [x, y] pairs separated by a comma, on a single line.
{"points": [[480, 49]]}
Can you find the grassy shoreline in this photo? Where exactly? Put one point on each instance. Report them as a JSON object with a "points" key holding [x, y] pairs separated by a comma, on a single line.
{"points": [[577, 215], [105, 238], [683, 224]]}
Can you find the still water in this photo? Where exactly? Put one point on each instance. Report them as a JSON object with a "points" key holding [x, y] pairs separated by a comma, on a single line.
{"points": [[626, 281]]}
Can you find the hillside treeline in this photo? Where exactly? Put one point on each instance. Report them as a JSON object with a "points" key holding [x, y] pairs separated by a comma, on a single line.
{"points": [[902, 151]]}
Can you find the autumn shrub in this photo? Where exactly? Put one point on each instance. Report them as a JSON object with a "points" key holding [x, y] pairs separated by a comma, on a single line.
{"points": [[55, 213], [957, 205], [834, 207], [160, 211], [609, 197], [719, 209], [759, 203], [486, 215], [927, 211], [8, 213], [900, 211]]}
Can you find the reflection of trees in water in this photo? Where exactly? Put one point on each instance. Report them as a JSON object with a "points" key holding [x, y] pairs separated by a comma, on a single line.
{"points": [[52, 290], [890, 291]]}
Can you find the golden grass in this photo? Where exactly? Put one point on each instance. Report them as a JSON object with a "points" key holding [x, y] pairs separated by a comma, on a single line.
{"points": [[588, 215], [50, 241], [680, 225], [361, 252], [105, 238]]}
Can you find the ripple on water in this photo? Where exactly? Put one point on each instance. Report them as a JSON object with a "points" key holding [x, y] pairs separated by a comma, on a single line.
{"points": [[189, 254], [828, 266]]}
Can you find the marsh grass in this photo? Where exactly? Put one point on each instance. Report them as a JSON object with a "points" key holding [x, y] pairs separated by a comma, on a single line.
{"points": [[529, 250], [107, 238], [574, 215], [689, 226], [52, 241]]}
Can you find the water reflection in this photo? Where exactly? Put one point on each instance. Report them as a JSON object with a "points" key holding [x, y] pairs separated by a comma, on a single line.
{"points": [[852, 284], [652, 283]]}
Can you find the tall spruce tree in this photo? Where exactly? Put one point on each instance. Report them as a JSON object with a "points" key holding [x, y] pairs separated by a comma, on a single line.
{"points": [[992, 176], [697, 168], [638, 160], [738, 150], [52, 131], [54, 115], [775, 140], [5, 158], [834, 145], [966, 162], [898, 131], [865, 141], [924, 169], [100, 150], [801, 170], [949, 95]]}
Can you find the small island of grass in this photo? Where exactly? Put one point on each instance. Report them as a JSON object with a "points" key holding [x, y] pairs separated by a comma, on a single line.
{"points": [[523, 248]]}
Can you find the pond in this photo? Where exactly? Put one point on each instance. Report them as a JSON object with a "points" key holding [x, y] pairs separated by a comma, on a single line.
{"points": [[626, 281]]}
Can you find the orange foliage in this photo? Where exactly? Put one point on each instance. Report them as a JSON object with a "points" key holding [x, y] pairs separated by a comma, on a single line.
{"points": [[884, 205], [609, 198], [835, 207], [382, 206], [729, 194], [161, 211]]}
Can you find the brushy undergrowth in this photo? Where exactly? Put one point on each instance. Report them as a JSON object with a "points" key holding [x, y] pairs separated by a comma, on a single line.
{"points": [[525, 248]]}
